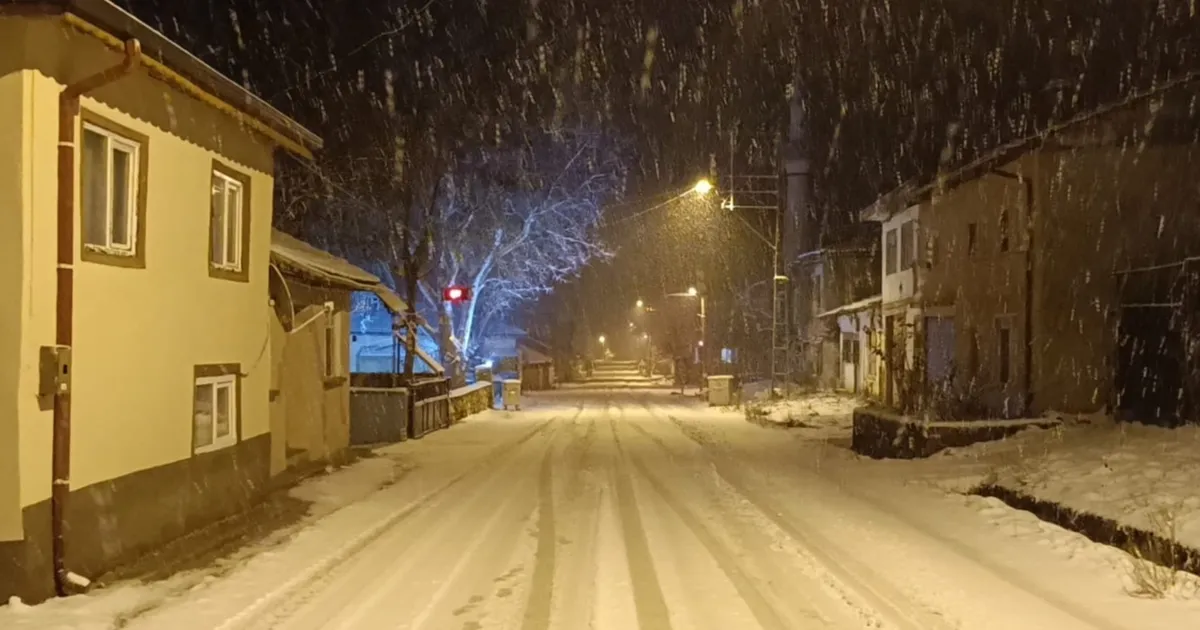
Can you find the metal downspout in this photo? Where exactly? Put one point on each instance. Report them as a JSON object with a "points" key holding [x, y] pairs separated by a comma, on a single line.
{"points": [[68, 113]]}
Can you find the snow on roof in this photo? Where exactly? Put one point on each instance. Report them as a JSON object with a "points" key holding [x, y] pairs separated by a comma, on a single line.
{"points": [[853, 306], [297, 257], [531, 355]]}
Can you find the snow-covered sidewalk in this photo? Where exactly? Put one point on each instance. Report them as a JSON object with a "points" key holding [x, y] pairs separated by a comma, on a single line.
{"points": [[348, 507]]}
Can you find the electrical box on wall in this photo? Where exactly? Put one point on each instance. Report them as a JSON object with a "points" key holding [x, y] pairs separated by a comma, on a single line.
{"points": [[54, 371]]}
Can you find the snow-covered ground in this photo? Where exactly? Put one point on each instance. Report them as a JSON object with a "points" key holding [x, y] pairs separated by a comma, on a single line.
{"points": [[1141, 476], [821, 415], [637, 509]]}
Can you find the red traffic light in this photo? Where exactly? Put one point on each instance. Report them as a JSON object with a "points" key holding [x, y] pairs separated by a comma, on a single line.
{"points": [[456, 294]]}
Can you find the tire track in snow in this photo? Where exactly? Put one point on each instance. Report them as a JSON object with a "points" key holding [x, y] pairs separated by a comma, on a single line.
{"points": [[318, 571], [578, 496], [764, 613], [1003, 574], [405, 555], [845, 574], [541, 588], [648, 599]]}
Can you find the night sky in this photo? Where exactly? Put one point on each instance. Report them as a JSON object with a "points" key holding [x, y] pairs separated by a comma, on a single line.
{"points": [[675, 80]]}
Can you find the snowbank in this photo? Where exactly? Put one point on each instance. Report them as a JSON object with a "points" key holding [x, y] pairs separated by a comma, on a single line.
{"points": [[1138, 476], [822, 414]]}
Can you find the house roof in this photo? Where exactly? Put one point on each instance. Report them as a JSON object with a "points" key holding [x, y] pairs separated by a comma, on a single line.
{"points": [[531, 356], [815, 256], [916, 190], [120, 23], [540, 347], [296, 257], [506, 330], [853, 307]]}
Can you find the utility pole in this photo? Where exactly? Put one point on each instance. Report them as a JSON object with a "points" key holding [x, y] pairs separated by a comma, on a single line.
{"points": [[795, 216], [761, 192]]}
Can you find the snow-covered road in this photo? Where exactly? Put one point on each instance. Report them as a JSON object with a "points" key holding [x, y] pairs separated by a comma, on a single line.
{"points": [[634, 509]]}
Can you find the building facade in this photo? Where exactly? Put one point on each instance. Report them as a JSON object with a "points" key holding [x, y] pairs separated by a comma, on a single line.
{"points": [[169, 237], [1026, 294]]}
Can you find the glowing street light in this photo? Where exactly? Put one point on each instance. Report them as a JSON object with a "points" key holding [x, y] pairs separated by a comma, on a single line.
{"points": [[641, 304], [602, 339], [702, 187], [692, 291]]}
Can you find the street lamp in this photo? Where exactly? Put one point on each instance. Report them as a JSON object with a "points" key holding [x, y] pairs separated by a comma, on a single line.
{"points": [[702, 187], [641, 304], [602, 339], [692, 292]]}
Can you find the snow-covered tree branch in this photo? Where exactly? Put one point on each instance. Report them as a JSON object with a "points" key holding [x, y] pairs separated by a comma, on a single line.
{"points": [[520, 220]]}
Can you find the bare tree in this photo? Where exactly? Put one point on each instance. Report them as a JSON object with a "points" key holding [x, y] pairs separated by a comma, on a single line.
{"points": [[518, 221]]}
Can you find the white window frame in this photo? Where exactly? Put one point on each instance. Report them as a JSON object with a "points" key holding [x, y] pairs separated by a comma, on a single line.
{"points": [[224, 381], [229, 249], [114, 141], [891, 251], [907, 245]]}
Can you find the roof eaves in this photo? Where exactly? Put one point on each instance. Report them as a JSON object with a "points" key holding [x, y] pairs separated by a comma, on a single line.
{"points": [[117, 22]]}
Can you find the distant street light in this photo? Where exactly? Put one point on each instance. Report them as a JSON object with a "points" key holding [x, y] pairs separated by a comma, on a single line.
{"points": [[692, 291], [702, 187], [641, 304], [602, 339], [631, 325]]}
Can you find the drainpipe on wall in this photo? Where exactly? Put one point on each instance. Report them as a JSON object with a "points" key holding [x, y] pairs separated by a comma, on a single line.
{"points": [[59, 356], [1028, 324]]}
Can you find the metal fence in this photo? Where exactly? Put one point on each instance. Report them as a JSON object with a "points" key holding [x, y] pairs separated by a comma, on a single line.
{"points": [[380, 407]]}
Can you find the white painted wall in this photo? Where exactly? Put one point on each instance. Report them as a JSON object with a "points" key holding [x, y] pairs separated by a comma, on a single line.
{"points": [[903, 283]]}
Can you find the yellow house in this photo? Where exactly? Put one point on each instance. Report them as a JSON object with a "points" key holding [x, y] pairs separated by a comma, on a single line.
{"points": [[136, 189]]}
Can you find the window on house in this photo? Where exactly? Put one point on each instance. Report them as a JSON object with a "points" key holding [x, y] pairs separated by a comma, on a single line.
{"points": [[817, 302], [972, 237], [931, 249], [850, 348], [215, 412], [907, 244], [228, 204], [1003, 336], [109, 178], [890, 252]]}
